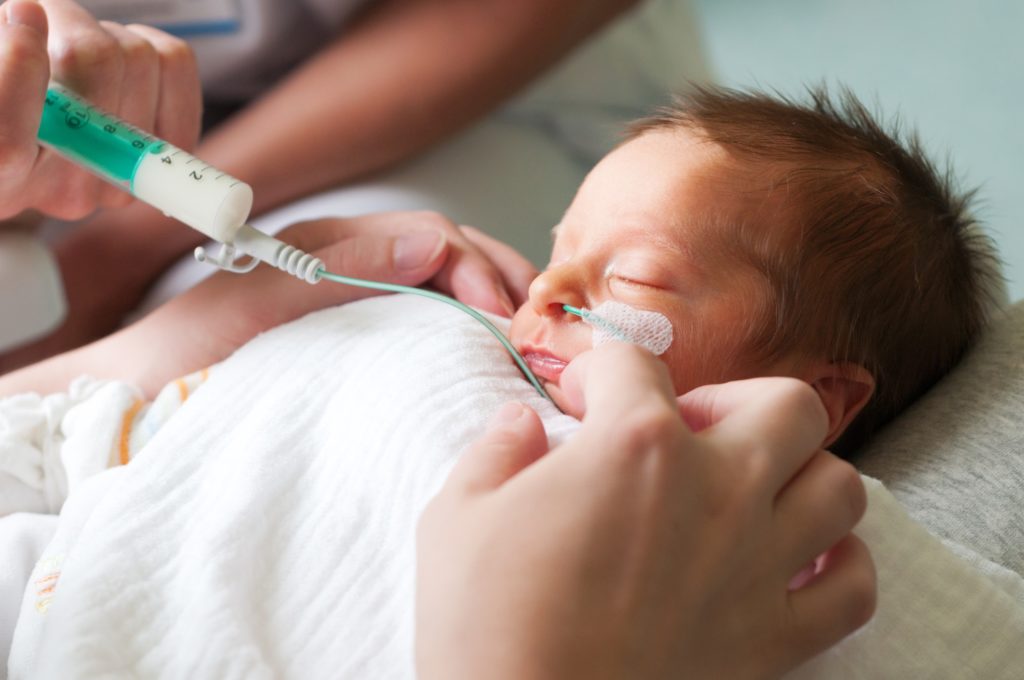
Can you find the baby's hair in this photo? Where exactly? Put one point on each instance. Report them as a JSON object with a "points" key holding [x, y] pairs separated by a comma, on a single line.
{"points": [[879, 263]]}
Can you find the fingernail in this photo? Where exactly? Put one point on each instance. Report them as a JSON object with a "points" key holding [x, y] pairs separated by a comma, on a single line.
{"points": [[413, 251], [508, 414], [23, 14]]}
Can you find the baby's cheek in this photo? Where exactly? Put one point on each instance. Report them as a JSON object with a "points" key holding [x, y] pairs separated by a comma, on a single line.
{"points": [[692, 359], [698, 358]]}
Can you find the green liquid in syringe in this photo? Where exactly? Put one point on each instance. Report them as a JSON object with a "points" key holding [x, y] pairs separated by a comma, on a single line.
{"points": [[108, 147]]}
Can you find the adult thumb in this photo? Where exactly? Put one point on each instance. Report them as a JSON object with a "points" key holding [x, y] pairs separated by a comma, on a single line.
{"points": [[407, 259], [514, 439]]}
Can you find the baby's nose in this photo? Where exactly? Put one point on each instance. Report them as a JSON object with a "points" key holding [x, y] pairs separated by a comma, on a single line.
{"points": [[553, 288]]}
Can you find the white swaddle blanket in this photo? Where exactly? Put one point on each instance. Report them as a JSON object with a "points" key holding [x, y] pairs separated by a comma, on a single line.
{"points": [[267, 531]]}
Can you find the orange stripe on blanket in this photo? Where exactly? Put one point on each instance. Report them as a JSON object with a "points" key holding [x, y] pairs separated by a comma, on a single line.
{"points": [[124, 449], [182, 389]]}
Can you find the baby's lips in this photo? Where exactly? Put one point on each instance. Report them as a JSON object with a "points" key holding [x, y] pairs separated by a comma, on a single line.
{"points": [[545, 366]]}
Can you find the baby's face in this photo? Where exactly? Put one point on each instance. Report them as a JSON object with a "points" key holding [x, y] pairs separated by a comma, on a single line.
{"points": [[649, 227]]}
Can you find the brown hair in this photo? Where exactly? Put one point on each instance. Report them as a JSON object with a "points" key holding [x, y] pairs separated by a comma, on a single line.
{"points": [[883, 266]]}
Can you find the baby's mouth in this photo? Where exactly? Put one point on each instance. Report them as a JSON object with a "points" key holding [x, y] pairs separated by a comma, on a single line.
{"points": [[544, 365]]}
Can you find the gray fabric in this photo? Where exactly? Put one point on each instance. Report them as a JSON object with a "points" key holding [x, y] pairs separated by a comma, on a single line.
{"points": [[956, 458]]}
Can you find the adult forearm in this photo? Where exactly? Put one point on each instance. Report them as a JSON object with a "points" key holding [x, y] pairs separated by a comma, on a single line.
{"points": [[407, 75], [140, 355]]}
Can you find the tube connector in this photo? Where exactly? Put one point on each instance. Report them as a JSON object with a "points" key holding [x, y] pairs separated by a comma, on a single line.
{"points": [[263, 248], [278, 254]]}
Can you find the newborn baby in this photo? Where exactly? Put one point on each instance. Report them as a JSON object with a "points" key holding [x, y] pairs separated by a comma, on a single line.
{"points": [[761, 237], [777, 239]]}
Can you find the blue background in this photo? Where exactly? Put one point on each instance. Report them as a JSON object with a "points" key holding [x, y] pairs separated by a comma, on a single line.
{"points": [[954, 70]]}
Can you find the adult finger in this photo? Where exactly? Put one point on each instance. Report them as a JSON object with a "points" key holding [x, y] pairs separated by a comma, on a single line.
{"points": [[604, 384], [838, 601], [514, 439], [84, 56], [706, 405], [179, 107], [776, 430], [24, 73], [822, 503], [140, 87], [516, 271], [409, 259], [88, 60], [138, 93], [467, 275], [464, 272]]}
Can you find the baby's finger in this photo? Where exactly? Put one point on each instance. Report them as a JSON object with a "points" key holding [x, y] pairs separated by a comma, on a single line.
{"points": [[516, 271]]}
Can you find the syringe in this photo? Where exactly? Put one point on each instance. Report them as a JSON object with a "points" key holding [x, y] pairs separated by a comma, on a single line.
{"points": [[169, 179]]}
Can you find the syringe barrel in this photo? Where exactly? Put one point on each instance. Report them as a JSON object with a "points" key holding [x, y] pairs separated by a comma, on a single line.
{"points": [[171, 180], [185, 188]]}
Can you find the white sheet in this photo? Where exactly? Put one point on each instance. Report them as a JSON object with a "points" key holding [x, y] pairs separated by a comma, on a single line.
{"points": [[23, 538], [267, 530]]}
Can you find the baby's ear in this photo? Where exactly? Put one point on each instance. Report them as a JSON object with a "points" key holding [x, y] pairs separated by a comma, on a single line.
{"points": [[844, 389]]}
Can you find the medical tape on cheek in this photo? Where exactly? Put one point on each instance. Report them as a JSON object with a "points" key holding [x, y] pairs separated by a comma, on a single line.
{"points": [[616, 321]]}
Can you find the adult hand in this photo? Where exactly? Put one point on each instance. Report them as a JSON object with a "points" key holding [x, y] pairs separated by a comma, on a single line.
{"points": [[407, 248], [105, 280], [639, 549], [207, 323], [476, 269], [144, 76]]}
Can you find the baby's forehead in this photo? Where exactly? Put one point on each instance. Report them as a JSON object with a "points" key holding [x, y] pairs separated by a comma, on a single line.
{"points": [[680, 183]]}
